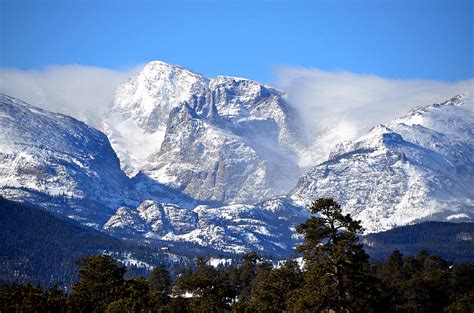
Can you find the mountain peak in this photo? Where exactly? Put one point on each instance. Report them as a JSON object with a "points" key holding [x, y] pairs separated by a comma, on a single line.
{"points": [[458, 100], [149, 95], [223, 79], [160, 66]]}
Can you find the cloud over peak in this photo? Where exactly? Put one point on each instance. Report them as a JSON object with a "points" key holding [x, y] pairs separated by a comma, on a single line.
{"points": [[339, 106], [336, 106]]}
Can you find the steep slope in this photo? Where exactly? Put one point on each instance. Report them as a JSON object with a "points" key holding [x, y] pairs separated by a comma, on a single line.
{"points": [[419, 167], [243, 101], [206, 161], [137, 123], [49, 158], [209, 138]]}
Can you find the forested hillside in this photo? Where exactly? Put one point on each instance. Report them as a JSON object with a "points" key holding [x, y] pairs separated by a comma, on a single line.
{"points": [[452, 241], [39, 247]]}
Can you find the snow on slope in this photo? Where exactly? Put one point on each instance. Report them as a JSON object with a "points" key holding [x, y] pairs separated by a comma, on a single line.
{"points": [[56, 155], [418, 167], [137, 123], [210, 163], [148, 96]]}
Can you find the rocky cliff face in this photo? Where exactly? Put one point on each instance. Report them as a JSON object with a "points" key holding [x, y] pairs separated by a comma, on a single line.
{"points": [[223, 140]]}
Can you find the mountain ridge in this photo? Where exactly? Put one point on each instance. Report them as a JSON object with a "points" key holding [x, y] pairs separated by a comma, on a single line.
{"points": [[403, 172]]}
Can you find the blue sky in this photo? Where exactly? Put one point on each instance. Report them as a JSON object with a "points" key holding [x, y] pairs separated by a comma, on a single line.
{"points": [[393, 39]]}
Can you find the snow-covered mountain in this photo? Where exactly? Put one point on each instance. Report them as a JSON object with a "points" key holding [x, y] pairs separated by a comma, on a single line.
{"points": [[224, 140], [45, 157], [418, 167], [148, 96]]}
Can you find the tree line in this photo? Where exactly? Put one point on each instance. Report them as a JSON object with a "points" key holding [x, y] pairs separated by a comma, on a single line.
{"points": [[334, 275]]}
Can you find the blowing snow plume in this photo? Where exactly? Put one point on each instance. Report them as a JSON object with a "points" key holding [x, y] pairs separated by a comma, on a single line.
{"points": [[340, 106], [83, 92]]}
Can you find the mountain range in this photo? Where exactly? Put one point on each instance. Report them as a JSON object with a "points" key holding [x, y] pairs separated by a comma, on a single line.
{"points": [[216, 162]]}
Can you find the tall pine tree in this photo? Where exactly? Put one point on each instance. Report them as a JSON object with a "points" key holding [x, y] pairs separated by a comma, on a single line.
{"points": [[337, 269]]}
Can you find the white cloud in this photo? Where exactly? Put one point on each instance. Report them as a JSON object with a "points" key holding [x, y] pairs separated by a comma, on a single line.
{"points": [[339, 106], [84, 92]]}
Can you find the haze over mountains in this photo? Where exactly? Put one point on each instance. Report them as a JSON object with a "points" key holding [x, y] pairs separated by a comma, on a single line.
{"points": [[215, 162]]}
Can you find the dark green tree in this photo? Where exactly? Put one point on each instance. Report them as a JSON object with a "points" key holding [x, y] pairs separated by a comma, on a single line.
{"points": [[241, 276], [22, 298], [253, 272], [100, 283], [464, 303], [463, 278], [135, 297], [337, 269], [160, 287], [391, 274], [56, 300], [416, 284], [272, 293], [210, 289]]}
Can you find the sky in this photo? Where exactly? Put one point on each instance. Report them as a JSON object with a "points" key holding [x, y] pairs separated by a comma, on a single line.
{"points": [[346, 66], [396, 39]]}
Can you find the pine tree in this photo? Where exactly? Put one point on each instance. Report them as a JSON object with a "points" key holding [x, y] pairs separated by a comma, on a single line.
{"points": [[272, 293], [160, 287], [100, 283], [134, 297], [337, 269], [253, 272], [241, 277], [210, 288], [464, 303], [22, 298], [56, 300]]}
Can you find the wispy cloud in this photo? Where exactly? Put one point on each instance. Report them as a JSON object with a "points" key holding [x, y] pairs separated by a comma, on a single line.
{"points": [[339, 106], [84, 92]]}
